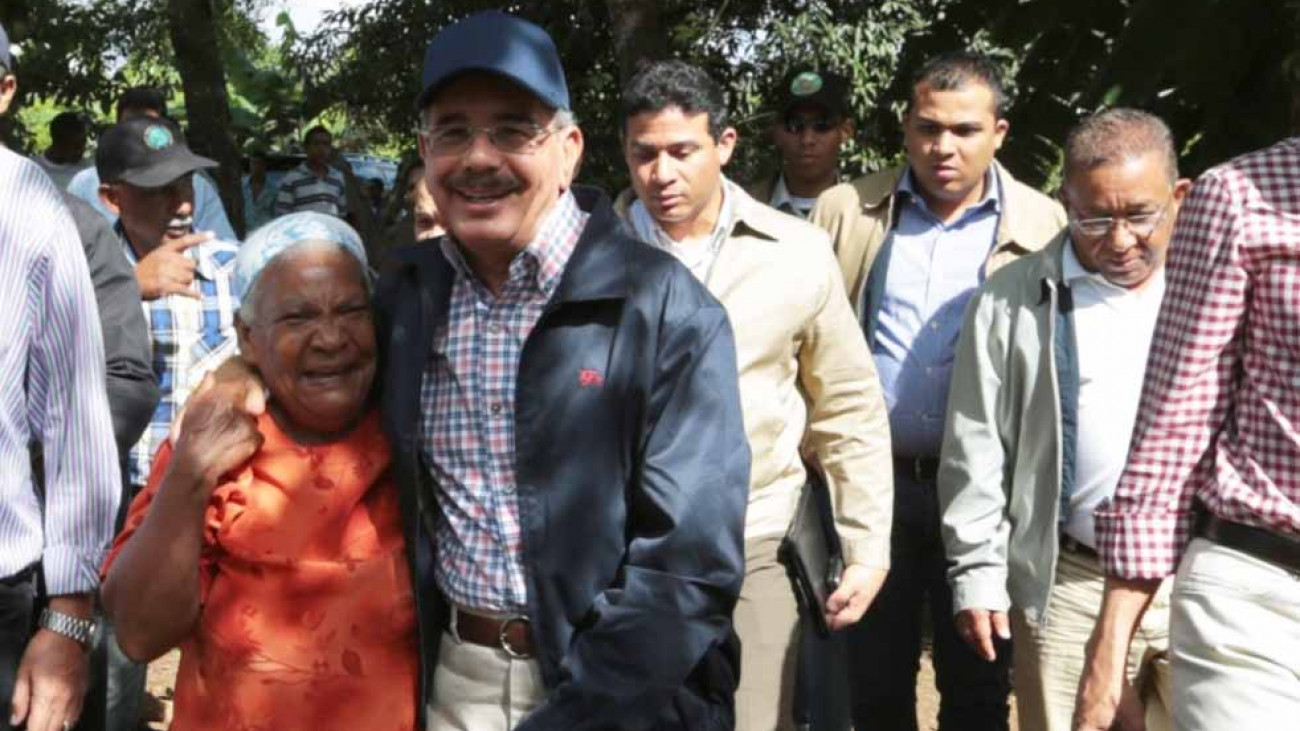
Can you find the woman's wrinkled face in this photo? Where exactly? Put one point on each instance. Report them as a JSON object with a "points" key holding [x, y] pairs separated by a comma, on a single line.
{"points": [[312, 340]]}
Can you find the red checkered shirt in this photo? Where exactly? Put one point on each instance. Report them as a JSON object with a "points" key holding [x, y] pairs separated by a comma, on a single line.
{"points": [[468, 402], [1219, 421]]}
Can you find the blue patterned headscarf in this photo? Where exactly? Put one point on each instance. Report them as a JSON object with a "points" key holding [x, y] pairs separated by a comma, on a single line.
{"points": [[286, 232]]}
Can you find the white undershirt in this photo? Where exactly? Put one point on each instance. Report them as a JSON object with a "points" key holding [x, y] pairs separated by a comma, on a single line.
{"points": [[1112, 327]]}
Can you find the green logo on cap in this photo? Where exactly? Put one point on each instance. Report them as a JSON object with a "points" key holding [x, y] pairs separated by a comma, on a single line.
{"points": [[806, 84], [157, 137]]}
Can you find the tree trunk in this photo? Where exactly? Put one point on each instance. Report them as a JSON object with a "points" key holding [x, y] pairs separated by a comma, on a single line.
{"points": [[198, 57], [638, 35]]}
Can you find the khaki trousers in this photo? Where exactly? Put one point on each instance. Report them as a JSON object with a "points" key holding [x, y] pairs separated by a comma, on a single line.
{"points": [[1049, 656], [767, 620], [1235, 637], [480, 688]]}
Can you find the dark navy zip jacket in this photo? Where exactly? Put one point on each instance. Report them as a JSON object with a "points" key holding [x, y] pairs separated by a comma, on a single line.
{"points": [[632, 476]]}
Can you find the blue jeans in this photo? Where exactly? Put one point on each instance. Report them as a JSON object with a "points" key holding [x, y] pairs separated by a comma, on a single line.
{"points": [[885, 647]]}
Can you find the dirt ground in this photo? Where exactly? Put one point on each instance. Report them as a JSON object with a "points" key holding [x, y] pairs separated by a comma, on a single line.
{"points": [[162, 678]]}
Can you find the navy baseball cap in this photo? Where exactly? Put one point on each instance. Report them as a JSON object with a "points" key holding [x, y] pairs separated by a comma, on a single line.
{"points": [[5, 58], [145, 152], [499, 43]]}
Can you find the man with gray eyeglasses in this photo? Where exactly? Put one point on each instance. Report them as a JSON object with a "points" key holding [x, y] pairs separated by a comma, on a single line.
{"points": [[1044, 394]]}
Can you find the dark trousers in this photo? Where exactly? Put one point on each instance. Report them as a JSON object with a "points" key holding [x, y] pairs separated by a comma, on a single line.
{"points": [[885, 647], [821, 697], [17, 621], [117, 684]]}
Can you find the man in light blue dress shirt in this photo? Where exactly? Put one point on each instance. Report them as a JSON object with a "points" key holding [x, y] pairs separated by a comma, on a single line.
{"points": [[914, 244]]}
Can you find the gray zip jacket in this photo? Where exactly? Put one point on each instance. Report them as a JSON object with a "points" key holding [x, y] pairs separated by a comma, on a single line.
{"points": [[1009, 440]]}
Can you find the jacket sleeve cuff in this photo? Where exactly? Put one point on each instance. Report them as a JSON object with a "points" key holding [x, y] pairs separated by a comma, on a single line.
{"points": [[71, 569], [987, 590], [872, 552]]}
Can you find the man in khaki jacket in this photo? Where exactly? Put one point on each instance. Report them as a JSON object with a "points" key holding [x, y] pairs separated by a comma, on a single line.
{"points": [[1044, 394], [913, 245], [806, 377]]}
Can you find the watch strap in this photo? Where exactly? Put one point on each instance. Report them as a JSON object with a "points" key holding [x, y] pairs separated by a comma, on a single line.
{"points": [[76, 629]]}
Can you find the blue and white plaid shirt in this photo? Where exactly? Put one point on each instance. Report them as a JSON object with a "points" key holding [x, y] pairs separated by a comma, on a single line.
{"points": [[468, 402], [189, 337]]}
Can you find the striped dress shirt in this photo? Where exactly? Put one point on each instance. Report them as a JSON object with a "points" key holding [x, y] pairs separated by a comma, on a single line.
{"points": [[302, 190], [53, 393]]}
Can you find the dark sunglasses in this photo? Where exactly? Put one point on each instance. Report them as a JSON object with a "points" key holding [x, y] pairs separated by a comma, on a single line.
{"points": [[822, 125]]}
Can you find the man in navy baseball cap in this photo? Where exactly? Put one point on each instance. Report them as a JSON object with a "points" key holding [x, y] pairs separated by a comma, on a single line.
{"points": [[581, 465], [497, 137]]}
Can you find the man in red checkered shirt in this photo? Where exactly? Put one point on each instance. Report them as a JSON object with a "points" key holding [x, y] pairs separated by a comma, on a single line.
{"points": [[1212, 485]]}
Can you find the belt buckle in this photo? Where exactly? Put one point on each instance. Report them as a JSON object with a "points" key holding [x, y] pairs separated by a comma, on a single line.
{"points": [[504, 639]]}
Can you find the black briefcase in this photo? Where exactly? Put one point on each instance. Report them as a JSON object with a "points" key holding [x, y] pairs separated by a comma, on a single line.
{"points": [[811, 552]]}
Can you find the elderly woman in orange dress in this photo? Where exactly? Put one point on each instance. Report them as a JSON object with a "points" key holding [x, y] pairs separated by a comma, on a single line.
{"points": [[269, 548]]}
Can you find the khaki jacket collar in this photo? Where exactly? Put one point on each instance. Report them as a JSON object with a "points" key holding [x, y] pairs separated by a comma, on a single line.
{"points": [[1013, 229], [752, 217]]}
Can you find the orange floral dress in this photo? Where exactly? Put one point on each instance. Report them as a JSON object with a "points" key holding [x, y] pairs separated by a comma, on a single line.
{"points": [[307, 620]]}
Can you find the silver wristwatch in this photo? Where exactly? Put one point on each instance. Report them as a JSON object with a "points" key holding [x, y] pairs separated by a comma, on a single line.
{"points": [[79, 630]]}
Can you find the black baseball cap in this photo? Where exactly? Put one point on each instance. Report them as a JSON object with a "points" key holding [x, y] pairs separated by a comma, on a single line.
{"points": [[499, 43], [811, 87], [147, 152]]}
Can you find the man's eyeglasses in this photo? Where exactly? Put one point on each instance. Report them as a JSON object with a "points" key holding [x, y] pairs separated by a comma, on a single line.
{"points": [[821, 125], [1140, 225], [515, 138]]}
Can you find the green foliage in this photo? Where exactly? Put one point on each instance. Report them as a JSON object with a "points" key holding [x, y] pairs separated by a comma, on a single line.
{"points": [[81, 54], [1223, 72]]}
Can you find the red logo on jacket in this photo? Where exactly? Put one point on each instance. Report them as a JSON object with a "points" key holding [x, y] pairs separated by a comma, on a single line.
{"points": [[590, 378]]}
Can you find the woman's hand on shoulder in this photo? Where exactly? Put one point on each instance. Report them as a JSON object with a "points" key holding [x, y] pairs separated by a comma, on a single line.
{"points": [[218, 435], [236, 382]]}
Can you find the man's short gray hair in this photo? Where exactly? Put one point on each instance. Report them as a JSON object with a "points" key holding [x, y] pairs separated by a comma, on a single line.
{"points": [[1116, 135]]}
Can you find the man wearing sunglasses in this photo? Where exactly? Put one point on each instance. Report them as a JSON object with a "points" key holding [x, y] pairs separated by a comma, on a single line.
{"points": [[812, 126], [913, 245], [1043, 399]]}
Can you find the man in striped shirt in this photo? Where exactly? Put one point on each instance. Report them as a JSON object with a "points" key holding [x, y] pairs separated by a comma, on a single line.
{"points": [[314, 185], [52, 539]]}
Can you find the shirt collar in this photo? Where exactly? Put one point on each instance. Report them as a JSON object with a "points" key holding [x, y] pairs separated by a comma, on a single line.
{"points": [[727, 220], [545, 257], [1073, 272], [783, 200], [991, 201]]}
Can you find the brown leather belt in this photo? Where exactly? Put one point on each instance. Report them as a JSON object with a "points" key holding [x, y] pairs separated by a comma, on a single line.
{"points": [[512, 635], [1277, 548]]}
